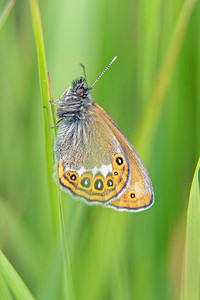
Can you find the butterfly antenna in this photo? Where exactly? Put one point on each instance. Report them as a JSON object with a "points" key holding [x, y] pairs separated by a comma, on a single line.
{"points": [[84, 72], [112, 61]]}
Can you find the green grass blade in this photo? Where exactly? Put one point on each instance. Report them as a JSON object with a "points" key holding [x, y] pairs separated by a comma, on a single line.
{"points": [[152, 113], [190, 285], [46, 110], [6, 11], [68, 283], [4, 290], [14, 281]]}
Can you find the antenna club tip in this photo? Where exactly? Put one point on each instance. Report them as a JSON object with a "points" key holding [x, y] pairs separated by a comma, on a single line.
{"points": [[80, 63]]}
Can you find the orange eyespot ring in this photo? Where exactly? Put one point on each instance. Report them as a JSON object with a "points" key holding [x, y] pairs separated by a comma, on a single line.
{"points": [[110, 183], [118, 161], [85, 182], [71, 176], [116, 176], [98, 185]]}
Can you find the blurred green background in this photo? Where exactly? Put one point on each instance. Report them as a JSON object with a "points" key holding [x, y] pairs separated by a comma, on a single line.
{"points": [[111, 255]]}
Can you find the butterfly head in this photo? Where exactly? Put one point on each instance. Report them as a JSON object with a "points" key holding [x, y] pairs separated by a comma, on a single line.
{"points": [[80, 88], [75, 103]]}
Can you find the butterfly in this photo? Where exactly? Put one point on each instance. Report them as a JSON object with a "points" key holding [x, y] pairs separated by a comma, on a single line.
{"points": [[95, 160]]}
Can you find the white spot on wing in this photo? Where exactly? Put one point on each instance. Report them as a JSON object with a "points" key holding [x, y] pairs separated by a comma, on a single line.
{"points": [[81, 171], [94, 171], [104, 170]]}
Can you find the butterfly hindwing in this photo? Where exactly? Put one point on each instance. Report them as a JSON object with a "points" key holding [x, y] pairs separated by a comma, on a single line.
{"points": [[138, 194]]}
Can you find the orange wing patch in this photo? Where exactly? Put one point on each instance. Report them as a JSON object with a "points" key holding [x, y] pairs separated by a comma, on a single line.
{"points": [[129, 201], [97, 188]]}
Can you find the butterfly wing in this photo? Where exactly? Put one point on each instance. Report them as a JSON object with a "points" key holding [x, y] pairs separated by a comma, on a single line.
{"points": [[91, 163], [138, 194], [98, 164]]}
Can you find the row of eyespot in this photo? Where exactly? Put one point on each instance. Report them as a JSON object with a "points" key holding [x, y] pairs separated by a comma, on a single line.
{"points": [[86, 182], [98, 185]]}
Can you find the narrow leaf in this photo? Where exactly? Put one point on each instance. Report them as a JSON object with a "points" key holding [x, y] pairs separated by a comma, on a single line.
{"points": [[5, 12], [14, 281], [190, 285], [44, 84]]}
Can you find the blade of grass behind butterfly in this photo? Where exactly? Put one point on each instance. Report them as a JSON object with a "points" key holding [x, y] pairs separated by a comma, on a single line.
{"points": [[46, 111], [100, 258], [145, 140], [4, 291], [14, 281], [54, 192], [191, 264], [149, 125], [5, 12], [68, 283], [151, 116], [22, 240]]}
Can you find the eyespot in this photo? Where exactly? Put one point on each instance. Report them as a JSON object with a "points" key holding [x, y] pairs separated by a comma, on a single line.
{"points": [[85, 182], [110, 182], [132, 195], [99, 185], [116, 176], [118, 161], [73, 177], [110, 185]]}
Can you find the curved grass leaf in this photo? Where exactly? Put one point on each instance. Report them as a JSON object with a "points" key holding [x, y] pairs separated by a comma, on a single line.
{"points": [[13, 280], [190, 286], [6, 11], [4, 290], [152, 113], [44, 84], [48, 114]]}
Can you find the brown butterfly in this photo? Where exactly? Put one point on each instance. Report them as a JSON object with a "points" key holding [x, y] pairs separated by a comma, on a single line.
{"points": [[95, 160]]}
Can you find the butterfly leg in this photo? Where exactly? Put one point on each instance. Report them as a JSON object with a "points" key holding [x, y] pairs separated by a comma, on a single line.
{"points": [[65, 93], [56, 123], [65, 115]]}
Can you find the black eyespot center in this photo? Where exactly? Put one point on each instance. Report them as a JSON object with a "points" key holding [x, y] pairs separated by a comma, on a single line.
{"points": [[119, 160], [115, 173], [73, 177], [132, 195]]}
